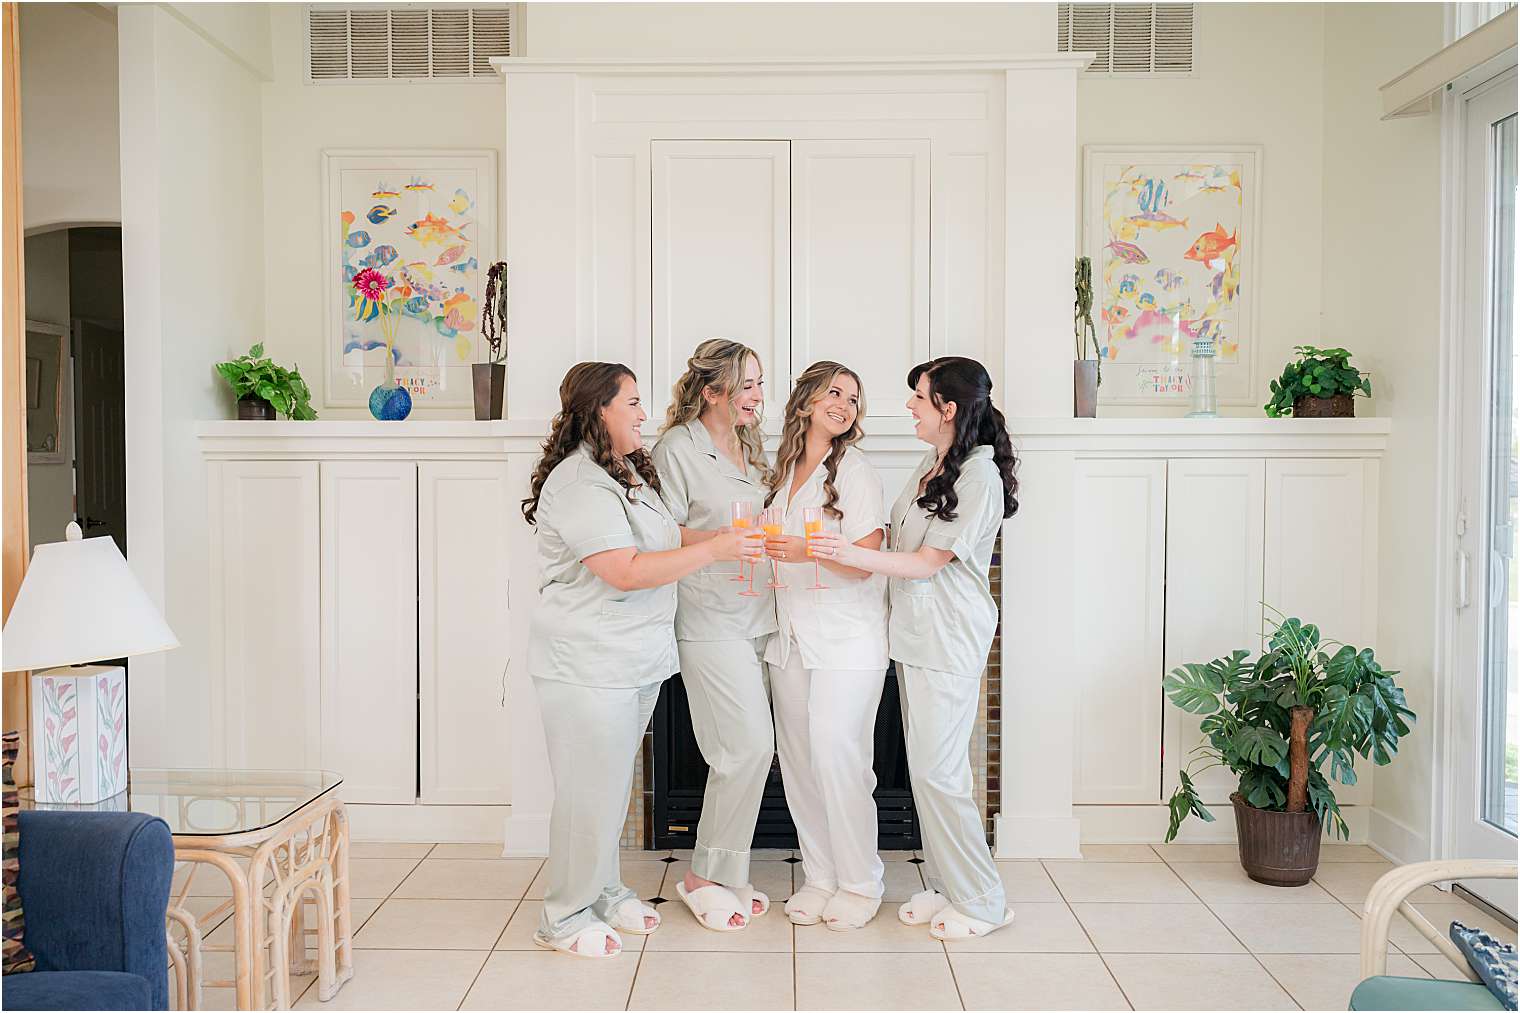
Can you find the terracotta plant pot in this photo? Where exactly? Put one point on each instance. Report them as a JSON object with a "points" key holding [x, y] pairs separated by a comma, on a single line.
{"points": [[1342, 406], [490, 384], [253, 408], [1084, 382], [1278, 849]]}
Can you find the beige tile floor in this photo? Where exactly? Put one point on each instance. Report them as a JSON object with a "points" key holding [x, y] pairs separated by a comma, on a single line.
{"points": [[450, 926]]}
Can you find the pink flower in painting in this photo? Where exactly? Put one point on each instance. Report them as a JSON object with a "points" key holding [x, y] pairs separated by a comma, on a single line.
{"points": [[371, 284]]}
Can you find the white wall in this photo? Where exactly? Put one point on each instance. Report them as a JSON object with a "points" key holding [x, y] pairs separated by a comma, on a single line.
{"points": [[1382, 299], [1258, 80], [70, 142], [50, 487], [299, 121], [193, 263]]}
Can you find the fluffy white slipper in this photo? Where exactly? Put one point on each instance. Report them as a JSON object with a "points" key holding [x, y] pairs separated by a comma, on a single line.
{"points": [[714, 906], [950, 925], [846, 911], [806, 905], [921, 907], [629, 917], [590, 942], [747, 896]]}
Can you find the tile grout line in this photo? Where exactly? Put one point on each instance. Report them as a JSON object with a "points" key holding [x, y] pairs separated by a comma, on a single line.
{"points": [[633, 981], [1102, 957], [492, 951], [1254, 955]]}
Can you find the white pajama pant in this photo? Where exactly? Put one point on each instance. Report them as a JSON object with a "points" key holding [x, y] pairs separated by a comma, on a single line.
{"points": [[939, 711], [593, 736], [730, 705], [825, 735]]}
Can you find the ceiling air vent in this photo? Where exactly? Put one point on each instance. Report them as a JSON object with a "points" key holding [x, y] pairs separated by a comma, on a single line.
{"points": [[410, 42], [1129, 39]]}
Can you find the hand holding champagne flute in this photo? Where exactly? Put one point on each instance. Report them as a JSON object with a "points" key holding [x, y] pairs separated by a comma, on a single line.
{"points": [[741, 515], [773, 521], [813, 524]]}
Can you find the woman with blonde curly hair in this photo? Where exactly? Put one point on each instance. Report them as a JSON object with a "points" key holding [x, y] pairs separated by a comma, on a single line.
{"points": [[602, 641], [828, 659], [708, 457]]}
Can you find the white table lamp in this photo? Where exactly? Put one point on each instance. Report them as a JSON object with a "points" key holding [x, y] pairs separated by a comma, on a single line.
{"points": [[80, 603]]}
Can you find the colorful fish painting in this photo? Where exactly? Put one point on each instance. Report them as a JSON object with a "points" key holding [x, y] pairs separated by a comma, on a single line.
{"points": [[383, 192], [1128, 252], [358, 240], [380, 256], [450, 255], [380, 213], [430, 230], [1212, 246], [1157, 220], [1129, 284], [1169, 279], [419, 185], [460, 203], [465, 266]]}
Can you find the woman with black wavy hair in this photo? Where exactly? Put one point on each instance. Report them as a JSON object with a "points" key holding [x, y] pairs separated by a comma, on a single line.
{"points": [[943, 618]]}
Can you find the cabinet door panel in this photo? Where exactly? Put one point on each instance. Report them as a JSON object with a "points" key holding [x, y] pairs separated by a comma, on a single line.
{"points": [[1321, 557], [369, 628], [265, 590], [1213, 587], [860, 261], [462, 631], [721, 220], [1119, 585]]}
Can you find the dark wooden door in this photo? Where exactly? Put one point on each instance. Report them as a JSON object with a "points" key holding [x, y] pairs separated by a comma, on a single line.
{"points": [[100, 435]]}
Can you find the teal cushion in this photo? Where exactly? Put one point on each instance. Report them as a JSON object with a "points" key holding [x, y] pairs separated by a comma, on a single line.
{"points": [[1389, 993], [1490, 960]]}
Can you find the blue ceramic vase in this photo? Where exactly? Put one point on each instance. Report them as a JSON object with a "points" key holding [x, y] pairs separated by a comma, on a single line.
{"points": [[390, 402]]}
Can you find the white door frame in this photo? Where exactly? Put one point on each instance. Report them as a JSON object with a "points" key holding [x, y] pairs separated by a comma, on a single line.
{"points": [[1458, 578]]}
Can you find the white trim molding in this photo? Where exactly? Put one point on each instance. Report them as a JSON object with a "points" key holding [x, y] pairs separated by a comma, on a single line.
{"points": [[820, 65]]}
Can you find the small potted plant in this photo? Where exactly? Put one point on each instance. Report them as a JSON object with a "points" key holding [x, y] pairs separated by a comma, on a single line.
{"points": [[1278, 723], [263, 388], [1086, 374], [1320, 384], [490, 377]]}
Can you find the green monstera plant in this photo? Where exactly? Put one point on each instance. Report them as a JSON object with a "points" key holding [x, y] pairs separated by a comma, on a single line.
{"points": [[1279, 722]]}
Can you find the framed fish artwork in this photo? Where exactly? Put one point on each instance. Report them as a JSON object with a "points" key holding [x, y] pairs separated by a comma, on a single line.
{"points": [[407, 238], [1174, 233]]}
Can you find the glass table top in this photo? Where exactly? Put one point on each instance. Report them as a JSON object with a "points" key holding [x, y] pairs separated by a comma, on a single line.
{"points": [[211, 802]]}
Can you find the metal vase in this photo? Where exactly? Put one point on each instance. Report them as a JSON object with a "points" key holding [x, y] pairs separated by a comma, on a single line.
{"points": [[490, 383], [1278, 849], [1084, 383]]}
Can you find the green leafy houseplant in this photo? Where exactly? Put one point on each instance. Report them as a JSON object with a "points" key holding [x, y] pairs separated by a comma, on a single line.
{"points": [[1278, 722], [1317, 372], [254, 375]]}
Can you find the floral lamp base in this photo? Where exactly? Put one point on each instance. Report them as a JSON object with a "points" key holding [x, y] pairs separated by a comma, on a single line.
{"points": [[390, 402], [79, 733]]}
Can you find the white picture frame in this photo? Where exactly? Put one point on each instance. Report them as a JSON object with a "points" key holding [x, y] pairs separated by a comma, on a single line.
{"points": [[47, 392], [1163, 277], [455, 193]]}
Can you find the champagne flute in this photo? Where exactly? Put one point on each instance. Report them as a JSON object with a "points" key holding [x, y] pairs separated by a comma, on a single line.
{"points": [[773, 521], [741, 514], [812, 524]]}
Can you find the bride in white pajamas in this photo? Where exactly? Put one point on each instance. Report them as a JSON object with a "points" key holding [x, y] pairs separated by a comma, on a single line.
{"points": [[943, 619], [602, 640], [828, 659]]}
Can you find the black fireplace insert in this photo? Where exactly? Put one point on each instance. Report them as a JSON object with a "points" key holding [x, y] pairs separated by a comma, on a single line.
{"points": [[680, 775]]}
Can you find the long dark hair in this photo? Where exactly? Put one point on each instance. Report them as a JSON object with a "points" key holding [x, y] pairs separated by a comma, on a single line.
{"points": [[977, 421], [807, 391], [586, 389]]}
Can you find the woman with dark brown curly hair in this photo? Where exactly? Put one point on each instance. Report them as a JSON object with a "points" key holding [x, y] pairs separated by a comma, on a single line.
{"points": [[828, 659], [602, 640], [943, 619]]}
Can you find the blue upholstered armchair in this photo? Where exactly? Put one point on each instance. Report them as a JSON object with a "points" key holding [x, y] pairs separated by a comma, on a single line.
{"points": [[95, 887]]}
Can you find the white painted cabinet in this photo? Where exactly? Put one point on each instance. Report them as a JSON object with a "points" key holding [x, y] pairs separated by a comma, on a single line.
{"points": [[1119, 558], [1184, 552], [369, 628], [1214, 552], [860, 261], [265, 594], [462, 646]]}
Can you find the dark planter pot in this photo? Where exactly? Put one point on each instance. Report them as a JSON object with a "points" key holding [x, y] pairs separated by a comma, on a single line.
{"points": [[1278, 849], [1342, 406], [1084, 383], [490, 380], [253, 408]]}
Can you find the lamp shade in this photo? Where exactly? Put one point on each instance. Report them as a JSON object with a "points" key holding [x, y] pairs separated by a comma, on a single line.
{"points": [[79, 603]]}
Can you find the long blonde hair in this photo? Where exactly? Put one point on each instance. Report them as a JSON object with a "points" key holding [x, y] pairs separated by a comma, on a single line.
{"points": [[717, 364], [808, 390]]}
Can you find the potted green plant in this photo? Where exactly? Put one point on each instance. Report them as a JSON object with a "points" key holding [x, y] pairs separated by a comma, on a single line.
{"points": [[490, 377], [1320, 383], [1278, 723], [263, 388], [1087, 374]]}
